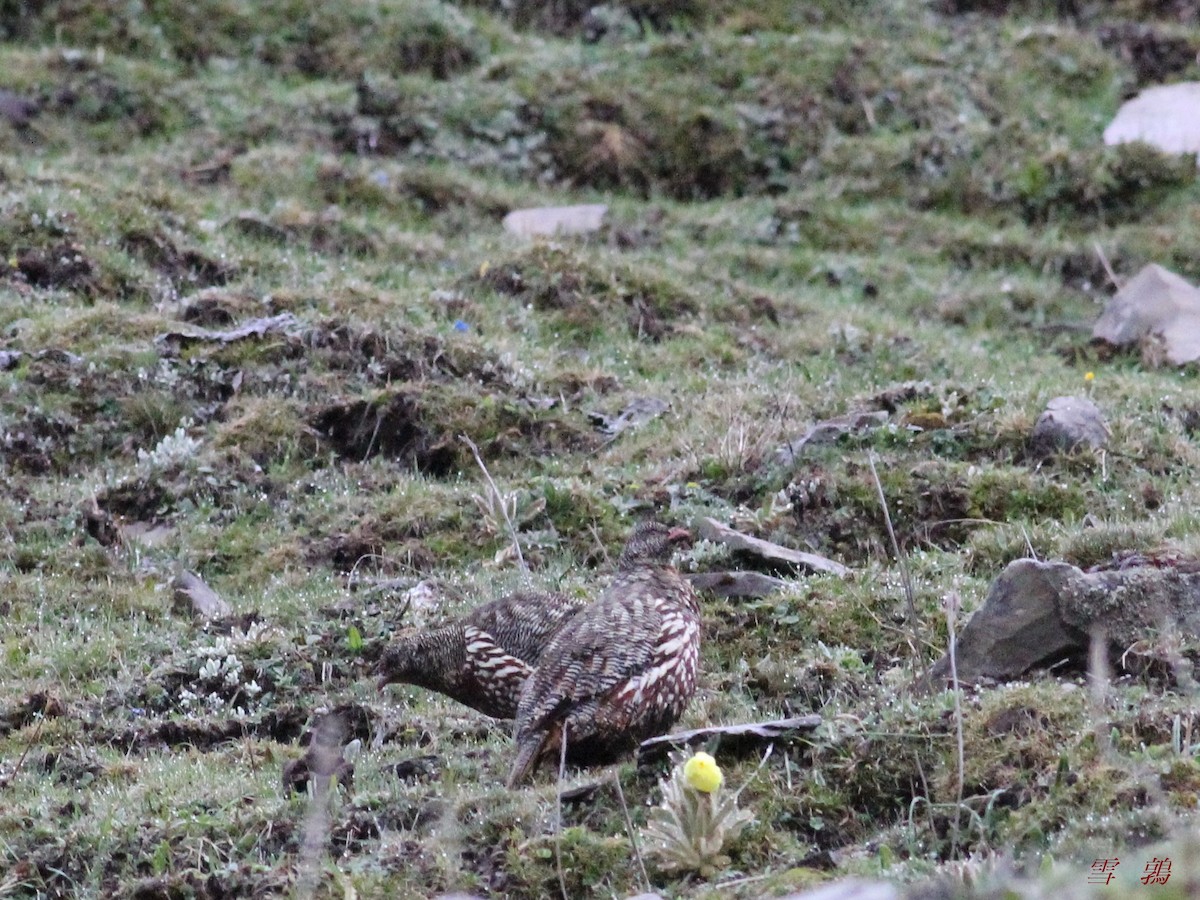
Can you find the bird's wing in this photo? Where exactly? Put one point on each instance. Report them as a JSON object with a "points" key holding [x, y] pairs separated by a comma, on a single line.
{"points": [[488, 656], [601, 647], [491, 678], [523, 623]]}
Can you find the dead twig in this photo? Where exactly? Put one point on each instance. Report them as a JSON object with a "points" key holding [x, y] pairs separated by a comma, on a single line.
{"points": [[869, 112], [712, 530], [562, 770], [637, 851], [909, 597], [326, 752], [757, 769], [1099, 674], [952, 604], [499, 501], [1108, 269], [735, 739], [600, 544], [37, 733]]}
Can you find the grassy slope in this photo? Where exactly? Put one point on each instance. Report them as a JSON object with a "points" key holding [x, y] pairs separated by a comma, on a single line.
{"points": [[816, 208]]}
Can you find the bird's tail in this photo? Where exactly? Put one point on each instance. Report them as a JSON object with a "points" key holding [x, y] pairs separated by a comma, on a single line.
{"points": [[529, 754]]}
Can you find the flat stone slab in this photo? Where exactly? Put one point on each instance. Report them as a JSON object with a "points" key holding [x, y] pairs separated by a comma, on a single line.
{"points": [[737, 584], [1166, 116], [547, 221]]}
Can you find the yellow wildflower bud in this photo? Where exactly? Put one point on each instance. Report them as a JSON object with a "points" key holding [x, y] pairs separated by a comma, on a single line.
{"points": [[702, 773], [1090, 376]]}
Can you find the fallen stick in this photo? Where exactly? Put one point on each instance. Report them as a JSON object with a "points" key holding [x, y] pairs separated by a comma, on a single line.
{"points": [[734, 739], [712, 530]]}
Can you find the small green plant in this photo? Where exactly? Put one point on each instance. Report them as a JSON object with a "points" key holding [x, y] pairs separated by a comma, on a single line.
{"points": [[226, 682], [176, 449], [695, 820]]}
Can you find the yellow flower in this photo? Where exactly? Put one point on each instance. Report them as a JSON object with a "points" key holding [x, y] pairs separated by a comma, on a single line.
{"points": [[1090, 376], [702, 773]]}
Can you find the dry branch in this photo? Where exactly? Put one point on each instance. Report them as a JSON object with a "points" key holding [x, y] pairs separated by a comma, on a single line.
{"points": [[712, 530], [734, 739]]}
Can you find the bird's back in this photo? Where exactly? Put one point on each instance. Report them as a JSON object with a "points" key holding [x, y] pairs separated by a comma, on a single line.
{"points": [[593, 653], [619, 671], [524, 623]]}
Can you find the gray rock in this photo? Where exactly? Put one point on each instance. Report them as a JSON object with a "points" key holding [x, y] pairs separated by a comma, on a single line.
{"points": [[18, 110], [147, 534], [1067, 424], [737, 584], [1018, 626], [192, 593], [1133, 603], [1166, 116], [1154, 303], [1039, 612], [547, 221]]}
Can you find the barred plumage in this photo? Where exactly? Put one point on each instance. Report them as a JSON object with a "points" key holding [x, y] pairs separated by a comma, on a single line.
{"points": [[622, 670], [483, 658]]}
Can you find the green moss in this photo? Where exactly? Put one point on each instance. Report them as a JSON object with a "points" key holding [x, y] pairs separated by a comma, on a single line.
{"points": [[586, 300], [1003, 496], [590, 862], [291, 35], [815, 210], [1113, 182]]}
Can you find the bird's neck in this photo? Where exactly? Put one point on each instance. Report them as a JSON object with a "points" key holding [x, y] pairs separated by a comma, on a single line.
{"points": [[661, 578], [442, 657]]}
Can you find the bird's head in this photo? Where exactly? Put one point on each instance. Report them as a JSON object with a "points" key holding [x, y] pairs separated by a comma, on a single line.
{"points": [[417, 658], [652, 543]]}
